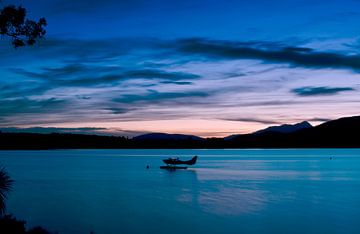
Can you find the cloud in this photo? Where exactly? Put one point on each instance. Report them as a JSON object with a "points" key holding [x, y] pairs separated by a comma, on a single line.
{"points": [[151, 74], [52, 130], [177, 82], [21, 90], [84, 130], [319, 119], [55, 72], [296, 56], [117, 110], [92, 75], [153, 96], [65, 72], [129, 51], [124, 88], [85, 6], [26, 105], [252, 120], [81, 51], [319, 91]]}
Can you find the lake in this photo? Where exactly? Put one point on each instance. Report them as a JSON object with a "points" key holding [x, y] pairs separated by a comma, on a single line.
{"points": [[227, 191]]}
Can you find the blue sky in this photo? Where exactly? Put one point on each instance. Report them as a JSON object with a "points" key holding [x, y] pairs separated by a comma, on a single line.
{"points": [[211, 68]]}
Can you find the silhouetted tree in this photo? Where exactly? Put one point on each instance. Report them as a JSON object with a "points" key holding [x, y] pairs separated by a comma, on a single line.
{"points": [[22, 31], [5, 186], [38, 230], [9, 224]]}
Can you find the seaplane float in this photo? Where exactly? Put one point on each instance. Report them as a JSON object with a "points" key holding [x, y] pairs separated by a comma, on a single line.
{"points": [[173, 163]]}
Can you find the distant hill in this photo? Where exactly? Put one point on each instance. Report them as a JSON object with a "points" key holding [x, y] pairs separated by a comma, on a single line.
{"points": [[286, 128], [340, 133], [343, 132], [165, 136]]}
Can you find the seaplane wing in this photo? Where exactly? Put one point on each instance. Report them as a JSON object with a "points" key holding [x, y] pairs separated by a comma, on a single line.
{"points": [[176, 161]]}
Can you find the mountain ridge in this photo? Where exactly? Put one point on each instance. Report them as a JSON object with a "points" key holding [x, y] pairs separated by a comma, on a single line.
{"points": [[166, 136], [284, 128], [340, 133]]}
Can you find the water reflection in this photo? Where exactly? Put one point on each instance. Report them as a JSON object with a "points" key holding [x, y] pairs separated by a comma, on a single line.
{"points": [[237, 188], [232, 201], [225, 198]]}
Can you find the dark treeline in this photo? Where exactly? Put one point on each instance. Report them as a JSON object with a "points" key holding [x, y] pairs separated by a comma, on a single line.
{"points": [[339, 133]]}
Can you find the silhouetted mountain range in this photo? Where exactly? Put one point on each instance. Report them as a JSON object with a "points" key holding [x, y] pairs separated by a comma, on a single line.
{"points": [[286, 128], [340, 133], [166, 136]]}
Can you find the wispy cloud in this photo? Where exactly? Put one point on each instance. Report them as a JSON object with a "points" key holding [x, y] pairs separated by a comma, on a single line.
{"points": [[240, 85], [320, 91], [82, 6], [153, 96], [28, 111], [296, 56], [84, 130], [252, 120], [75, 75], [25, 105], [319, 119]]}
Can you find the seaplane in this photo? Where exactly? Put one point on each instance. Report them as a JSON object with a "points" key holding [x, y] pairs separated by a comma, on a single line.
{"points": [[171, 163]]}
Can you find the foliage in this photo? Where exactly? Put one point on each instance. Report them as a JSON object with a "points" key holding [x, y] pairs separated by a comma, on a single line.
{"points": [[5, 186], [22, 31], [10, 225], [38, 230]]}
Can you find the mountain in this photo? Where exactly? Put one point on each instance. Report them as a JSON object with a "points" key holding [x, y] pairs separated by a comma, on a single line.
{"points": [[286, 128], [340, 133], [228, 138], [343, 132], [165, 136]]}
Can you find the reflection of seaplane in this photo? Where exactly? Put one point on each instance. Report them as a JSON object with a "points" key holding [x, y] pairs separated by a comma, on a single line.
{"points": [[172, 162]]}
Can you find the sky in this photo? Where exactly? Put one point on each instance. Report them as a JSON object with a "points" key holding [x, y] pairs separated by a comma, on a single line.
{"points": [[208, 68]]}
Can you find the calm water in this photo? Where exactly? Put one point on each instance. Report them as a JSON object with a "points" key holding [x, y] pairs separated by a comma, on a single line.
{"points": [[228, 191]]}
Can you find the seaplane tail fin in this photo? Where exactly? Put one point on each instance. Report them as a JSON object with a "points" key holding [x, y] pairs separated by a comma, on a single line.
{"points": [[193, 160]]}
